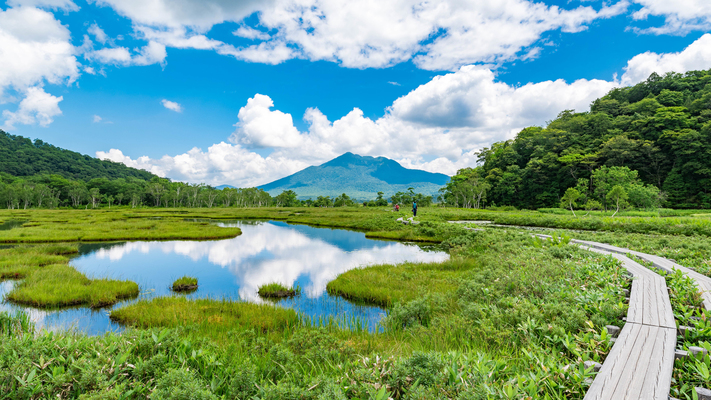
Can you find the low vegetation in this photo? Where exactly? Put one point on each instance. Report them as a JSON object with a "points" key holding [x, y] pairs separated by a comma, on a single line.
{"points": [[185, 284], [48, 281], [276, 290], [508, 316], [692, 371]]}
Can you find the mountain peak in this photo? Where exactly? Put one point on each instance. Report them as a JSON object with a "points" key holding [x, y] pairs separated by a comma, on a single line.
{"points": [[358, 176]]}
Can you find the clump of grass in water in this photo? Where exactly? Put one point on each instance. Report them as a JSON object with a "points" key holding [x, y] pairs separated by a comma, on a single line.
{"points": [[185, 284], [60, 285], [276, 290]]}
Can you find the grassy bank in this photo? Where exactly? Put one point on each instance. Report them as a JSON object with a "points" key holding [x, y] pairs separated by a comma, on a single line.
{"points": [[48, 281], [41, 226]]}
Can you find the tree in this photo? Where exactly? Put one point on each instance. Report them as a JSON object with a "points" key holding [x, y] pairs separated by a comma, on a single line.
{"points": [[287, 198], [569, 198], [95, 197], [618, 196]]}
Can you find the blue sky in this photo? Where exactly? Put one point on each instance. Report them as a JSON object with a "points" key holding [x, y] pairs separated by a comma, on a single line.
{"points": [[243, 93]]}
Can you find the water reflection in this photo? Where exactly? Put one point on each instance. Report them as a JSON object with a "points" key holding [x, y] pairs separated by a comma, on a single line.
{"points": [[235, 268], [11, 224]]}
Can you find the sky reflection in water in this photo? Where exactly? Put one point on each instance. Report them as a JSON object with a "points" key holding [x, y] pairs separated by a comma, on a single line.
{"points": [[235, 268]]}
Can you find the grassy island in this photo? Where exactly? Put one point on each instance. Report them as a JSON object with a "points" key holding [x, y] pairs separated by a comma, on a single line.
{"points": [[276, 290], [185, 284]]}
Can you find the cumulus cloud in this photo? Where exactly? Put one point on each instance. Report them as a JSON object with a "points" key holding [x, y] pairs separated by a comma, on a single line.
{"points": [[446, 120], [172, 106], [34, 48], [696, 56], [38, 107], [440, 35], [680, 16], [438, 126], [260, 127]]}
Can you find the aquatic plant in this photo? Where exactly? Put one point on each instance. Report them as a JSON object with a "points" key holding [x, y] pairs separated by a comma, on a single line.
{"points": [[185, 284], [276, 290]]}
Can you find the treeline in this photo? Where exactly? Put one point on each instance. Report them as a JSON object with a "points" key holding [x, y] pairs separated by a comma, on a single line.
{"points": [[19, 156], [52, 191], [658, 130]]}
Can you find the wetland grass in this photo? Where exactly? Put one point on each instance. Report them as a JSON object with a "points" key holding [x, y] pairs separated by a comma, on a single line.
{"points": [[49, 282], [212, 318], [185, 284], [504, 318], [276, 290], [107, 225], [60, 285]]}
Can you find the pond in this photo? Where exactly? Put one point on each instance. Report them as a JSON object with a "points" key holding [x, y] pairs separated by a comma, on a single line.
{"points": [[235, 268]]}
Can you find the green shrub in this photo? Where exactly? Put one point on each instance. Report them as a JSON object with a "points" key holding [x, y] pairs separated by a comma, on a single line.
{"points": [[180, 384]]}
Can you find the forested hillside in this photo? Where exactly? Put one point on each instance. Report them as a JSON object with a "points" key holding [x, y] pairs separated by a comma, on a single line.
{"points": [[652, 139], [19, 156]]}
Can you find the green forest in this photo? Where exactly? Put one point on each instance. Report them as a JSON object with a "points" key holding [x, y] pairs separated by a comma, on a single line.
{"points": [[20, 156], [651, 143]]}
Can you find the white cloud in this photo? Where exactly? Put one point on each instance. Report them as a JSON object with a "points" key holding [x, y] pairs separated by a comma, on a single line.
{"points": [[260, 127], [34, 48], [152, 53], [66, 5], [695, 57], [98, 33], [199, 15], [440, 35], [171, 105], [38, 107], [96, 119], [438, 127], [681, 16], [250, 33], [448, 119]]}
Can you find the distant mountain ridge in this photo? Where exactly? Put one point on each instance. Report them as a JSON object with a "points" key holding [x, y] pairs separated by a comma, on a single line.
{"points": [[19, 156], [360, 177]]}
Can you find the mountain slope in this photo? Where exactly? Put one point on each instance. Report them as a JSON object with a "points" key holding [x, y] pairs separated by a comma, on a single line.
{"points": [[360, 177], [19, 156]]}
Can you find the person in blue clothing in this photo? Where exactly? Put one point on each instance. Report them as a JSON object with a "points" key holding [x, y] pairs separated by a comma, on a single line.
{"points": [[414, 209]]}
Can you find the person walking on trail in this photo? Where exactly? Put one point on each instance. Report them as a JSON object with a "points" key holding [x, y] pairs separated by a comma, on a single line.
{"points": [[414, 209]]}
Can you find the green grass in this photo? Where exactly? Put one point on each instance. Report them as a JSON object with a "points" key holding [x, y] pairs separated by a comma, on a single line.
{"points": [[49, 282], [213, 318], [384, 284], [277, 290], [185, 283], [105, 225], [60, 285], [506, 317]]}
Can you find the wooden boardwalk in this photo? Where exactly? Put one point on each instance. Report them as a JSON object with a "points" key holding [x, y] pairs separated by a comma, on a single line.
{"points": [[640, 363], [703, 282]]}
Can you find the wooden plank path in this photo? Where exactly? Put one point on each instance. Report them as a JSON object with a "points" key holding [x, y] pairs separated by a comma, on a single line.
{"points": [[703, 282], [640, 363]]}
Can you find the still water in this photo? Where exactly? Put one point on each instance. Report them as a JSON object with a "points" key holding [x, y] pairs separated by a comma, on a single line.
{"points": [[235, 268]]}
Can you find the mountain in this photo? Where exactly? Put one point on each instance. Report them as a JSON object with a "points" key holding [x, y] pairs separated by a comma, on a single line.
{"points": [[360, 177], [19, 156], [225, 187]]}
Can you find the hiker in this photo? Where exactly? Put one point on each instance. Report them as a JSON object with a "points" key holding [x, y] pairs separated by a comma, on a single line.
{"points": [[414, 209], [397, 207]]}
